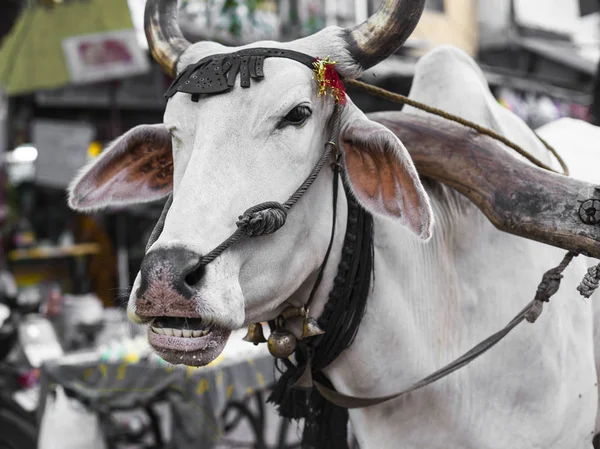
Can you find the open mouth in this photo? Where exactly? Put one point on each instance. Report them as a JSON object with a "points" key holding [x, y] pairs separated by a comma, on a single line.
{"points": [[187, 341]]}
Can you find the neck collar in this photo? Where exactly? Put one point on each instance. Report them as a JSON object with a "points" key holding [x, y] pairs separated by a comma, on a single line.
{"points": [[325, 423]]}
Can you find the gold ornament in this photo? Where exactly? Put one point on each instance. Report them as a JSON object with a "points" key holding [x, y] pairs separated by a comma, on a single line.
{"points": [[310, 328], [293, 312], [329, 79], [305, 381], [281, 343], [255, 334]]}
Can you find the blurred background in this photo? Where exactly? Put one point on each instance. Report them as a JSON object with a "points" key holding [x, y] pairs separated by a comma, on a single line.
{"points": [[75, 74]]}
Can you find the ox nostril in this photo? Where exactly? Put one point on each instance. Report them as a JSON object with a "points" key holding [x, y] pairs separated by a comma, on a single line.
{"points": [[195, 276], [173, 268]]}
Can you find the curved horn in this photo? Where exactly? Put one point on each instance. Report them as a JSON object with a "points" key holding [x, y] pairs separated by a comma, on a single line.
{"points": [[384, 32], [165, 41]]}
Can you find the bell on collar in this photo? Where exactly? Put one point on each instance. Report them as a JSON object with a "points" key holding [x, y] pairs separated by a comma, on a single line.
{"points": [[281, 343], [292, 312], [255, 334], [305, 381], [311, 328]]}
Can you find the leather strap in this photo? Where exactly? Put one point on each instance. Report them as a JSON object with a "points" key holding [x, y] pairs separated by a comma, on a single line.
{"points": [[217, 73], [548, 286], [350, 402]]}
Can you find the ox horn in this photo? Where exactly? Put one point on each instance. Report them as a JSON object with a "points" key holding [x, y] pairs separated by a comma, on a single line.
{"points": [[165, 41], [384, 32]]}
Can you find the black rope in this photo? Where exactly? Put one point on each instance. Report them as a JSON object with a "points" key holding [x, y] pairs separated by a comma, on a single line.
{"points": [[263, 219], [325, 423], [336, 177], [327, 426], [160, 224], [397, 98]]}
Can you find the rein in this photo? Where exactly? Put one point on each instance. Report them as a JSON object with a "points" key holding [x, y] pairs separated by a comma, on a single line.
{"points": [[397, 98], [547, 287]]}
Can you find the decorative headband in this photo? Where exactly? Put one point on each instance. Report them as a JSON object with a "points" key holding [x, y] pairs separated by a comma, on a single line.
{"points": [[217, 73]]}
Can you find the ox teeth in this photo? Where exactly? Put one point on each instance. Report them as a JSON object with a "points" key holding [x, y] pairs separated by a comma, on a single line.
{"points": [[201, 333], [184, 333]]}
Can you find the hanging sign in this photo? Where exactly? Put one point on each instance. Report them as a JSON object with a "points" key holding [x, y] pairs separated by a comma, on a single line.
{"points": [[104, 56]]}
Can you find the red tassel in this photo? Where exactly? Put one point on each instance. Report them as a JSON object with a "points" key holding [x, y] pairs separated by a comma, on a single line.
{"points": [[328, 78]]}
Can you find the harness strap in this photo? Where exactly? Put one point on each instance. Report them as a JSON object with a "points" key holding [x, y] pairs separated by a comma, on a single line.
{"points": [[547, 287], [216, 74]]}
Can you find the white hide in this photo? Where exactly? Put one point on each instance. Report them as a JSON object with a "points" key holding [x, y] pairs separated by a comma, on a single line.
{"points": [[430, 302], [434, 301]]}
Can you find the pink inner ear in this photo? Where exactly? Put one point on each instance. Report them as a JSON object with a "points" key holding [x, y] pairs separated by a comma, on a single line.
{"points": [[138, 167], [384, 178]]}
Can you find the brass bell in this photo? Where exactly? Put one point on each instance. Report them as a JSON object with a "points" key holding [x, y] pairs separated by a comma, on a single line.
{"points": [[281, 343], [255, 334], [293, 312], [310, 328], [305, 381]]}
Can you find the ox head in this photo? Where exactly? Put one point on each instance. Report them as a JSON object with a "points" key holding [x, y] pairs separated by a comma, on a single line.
{"points": [[220, 154]]}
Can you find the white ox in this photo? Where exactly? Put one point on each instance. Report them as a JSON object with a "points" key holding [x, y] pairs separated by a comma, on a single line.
{"points": [[439, 287]]}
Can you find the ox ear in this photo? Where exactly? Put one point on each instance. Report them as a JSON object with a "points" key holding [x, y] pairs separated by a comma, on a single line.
{"points": [[383, 177], [136, 168]]}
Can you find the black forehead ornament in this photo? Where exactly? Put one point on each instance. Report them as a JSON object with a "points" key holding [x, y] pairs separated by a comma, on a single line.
{"points": [[216, 74]]}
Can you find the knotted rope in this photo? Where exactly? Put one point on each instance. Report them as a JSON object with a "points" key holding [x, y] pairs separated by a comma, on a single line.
{"points": [[262, 219], [548, 286], [590, 282]]}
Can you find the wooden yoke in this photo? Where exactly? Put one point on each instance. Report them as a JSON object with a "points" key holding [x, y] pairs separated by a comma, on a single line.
{"points": [[516, 196]]}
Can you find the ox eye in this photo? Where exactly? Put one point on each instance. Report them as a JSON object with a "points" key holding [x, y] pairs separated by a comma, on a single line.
{"points": [[296, 116]]}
